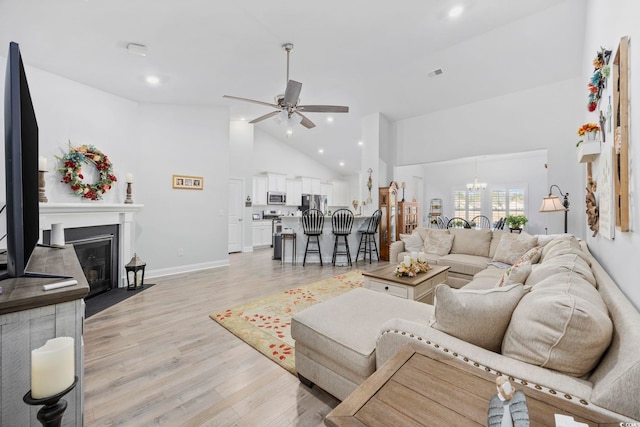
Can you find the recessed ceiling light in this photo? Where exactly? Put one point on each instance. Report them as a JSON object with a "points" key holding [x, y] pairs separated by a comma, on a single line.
{"points": [[289, 132], [330, 119], [360, 143], [341, 163], [456, 11], [152, 80], [320, 150]]}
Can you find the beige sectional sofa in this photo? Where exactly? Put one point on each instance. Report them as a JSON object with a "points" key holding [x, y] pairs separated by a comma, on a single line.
{"points": [[558, 323]]}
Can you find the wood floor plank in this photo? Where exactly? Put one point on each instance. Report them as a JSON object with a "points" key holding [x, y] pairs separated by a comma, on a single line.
{"points": [[157, 359]]}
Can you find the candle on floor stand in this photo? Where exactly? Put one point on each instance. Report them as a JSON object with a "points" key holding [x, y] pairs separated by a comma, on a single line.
{"points": [[52, 367], [42, 197], [129, 177], [42, 164]]}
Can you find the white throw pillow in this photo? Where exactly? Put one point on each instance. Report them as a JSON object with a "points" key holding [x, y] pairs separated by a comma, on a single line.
{"points": [[412, 242], [517, 273], [438, 243], [513, 246], [480, 317]]}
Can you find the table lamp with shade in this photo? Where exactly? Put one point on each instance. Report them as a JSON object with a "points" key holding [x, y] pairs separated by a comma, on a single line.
{"points": [[552, 204]]}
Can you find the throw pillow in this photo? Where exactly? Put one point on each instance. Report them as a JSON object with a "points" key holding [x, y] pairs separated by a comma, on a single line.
{"points": [[438, 243], [562, 324], [471, 242], [479, 317], [532, 255], [412, 242], [517, 273], [513, 246]]}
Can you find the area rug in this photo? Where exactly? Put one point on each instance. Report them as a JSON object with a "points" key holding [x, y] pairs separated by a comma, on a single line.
{"points": [[265, 324]]}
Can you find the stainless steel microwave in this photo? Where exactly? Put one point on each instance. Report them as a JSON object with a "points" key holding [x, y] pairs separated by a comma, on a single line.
{"points": [[276, 198]]}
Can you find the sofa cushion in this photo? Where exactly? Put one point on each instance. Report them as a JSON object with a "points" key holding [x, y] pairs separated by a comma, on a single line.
{"points": [[561, 264], [465, 264], [412, 242], [438, 243], [471, 242], [345, 328], [559, 246], [512, 246], [562, 324], [495, 240], [424, 231], [480, 317], [517, 273]]}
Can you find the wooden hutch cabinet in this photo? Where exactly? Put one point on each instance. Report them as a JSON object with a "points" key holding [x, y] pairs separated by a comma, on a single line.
{"points": [[388, 199], [407, 217]]}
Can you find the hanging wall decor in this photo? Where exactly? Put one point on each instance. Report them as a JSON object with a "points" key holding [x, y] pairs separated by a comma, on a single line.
{"points": [[598, 81], [71, 171], [621, 133]]}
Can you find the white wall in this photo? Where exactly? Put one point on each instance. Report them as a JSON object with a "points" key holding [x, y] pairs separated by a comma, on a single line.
{"points": [[542, 118], [151, 142], [607, 22]]}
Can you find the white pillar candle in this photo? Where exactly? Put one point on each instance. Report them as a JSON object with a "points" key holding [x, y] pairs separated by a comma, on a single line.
{"points": [[52, 367], [422, 257], [129, 177], [42, 163], [407, 260], [414, 255]]}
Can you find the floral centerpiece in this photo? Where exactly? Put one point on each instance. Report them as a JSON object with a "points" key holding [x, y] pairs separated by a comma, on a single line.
{"points": [[412, 265], [588, 129]]}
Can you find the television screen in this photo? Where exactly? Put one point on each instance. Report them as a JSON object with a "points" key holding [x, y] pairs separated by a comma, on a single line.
{"points": [[21, 168]]}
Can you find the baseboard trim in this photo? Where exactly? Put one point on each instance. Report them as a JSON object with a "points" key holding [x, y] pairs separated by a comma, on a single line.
{"points": [[185, 268]]}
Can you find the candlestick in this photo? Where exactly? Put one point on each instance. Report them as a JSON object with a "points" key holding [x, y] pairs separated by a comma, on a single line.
{"points": [[128, 200], [41, 194], [50, 415], [42, 164], [52, 367]]}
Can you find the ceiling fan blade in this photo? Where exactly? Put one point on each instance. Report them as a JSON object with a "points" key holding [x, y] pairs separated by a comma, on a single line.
{"points": [[265, 117], [292, 93], [251, 100], [305, 121], [323, 108]]}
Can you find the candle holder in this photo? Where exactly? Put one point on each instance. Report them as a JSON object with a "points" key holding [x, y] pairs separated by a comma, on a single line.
{"points": [[128, 200], [50, 415], [41, 195]]}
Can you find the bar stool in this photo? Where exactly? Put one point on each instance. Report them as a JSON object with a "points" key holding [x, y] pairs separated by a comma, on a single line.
{"points": [[288, 236], [368, 237], [312, 224], [341, 224]]}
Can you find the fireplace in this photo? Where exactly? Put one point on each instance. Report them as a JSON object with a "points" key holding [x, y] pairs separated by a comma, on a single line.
{"points": [[97, 251]]}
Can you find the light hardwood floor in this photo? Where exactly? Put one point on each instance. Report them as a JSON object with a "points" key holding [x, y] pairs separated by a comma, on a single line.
{"points": [[157, 359]]}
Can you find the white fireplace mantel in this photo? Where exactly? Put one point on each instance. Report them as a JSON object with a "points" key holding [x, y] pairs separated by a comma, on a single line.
{"points": [[75, 215]]}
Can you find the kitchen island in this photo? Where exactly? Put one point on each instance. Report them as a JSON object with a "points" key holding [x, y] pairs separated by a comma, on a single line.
{"points": [[294, 223]]}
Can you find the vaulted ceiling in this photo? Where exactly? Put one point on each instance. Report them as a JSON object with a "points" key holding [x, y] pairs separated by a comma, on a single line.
{"points": [[374, 56]]}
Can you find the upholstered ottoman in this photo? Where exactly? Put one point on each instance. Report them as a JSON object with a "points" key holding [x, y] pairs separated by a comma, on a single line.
{"points": [[336, 339]]}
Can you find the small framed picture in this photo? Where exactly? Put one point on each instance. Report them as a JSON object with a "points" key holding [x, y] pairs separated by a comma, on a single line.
{"points": [[187, 182]]}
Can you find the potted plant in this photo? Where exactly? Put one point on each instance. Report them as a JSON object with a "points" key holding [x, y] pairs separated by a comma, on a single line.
{"points": [[515, 222]]}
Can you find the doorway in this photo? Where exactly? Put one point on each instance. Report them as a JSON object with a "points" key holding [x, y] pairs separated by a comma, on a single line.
{"points": [[235, 208]]}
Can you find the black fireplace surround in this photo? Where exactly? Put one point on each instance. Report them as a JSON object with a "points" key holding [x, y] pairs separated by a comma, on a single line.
{"points": [[97, 251]]}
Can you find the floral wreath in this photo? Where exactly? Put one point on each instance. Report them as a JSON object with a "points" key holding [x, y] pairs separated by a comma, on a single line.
{"points": [[71, 171]]}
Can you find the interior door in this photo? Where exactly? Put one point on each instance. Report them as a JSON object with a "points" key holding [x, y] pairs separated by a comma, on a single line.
{"points": [[236, 207]]}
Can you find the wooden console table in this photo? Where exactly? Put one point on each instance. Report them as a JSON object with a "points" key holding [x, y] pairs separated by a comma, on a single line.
{"points": [[29, 316], [418, 389]]}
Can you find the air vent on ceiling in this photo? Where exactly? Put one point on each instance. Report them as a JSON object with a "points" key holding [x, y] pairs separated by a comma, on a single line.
{"points": [[436, 72], [137, 49]]}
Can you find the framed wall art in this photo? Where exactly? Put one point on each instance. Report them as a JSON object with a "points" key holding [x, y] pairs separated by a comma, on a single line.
{"points": [[187, 182]]}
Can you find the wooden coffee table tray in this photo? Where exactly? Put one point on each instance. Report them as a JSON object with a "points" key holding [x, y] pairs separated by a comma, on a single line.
{"points": [[418, 389]]}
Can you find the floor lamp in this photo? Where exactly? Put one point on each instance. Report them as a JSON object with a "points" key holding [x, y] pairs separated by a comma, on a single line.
{"points": [[552, 204]]}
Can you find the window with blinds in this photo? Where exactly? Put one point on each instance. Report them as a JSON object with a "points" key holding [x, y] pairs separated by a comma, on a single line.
{"points": [[505, 202]]}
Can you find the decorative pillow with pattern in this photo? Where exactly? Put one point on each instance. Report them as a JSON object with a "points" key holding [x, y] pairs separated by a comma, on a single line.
{"points": [[517, 273], [412, 242], [513, 246], [480, 317], [438, 243], [532, 255]]}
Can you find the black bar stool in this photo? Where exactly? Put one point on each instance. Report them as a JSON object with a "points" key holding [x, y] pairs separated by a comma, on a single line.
{"points": [[341, 224], [368, 237], [312, 224]]}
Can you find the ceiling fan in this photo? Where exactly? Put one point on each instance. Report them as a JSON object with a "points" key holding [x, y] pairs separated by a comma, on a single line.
{"points": [[287, 105]]}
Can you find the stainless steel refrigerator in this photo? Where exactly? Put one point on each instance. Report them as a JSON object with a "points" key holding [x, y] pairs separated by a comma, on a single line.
{"points": [[314, 201]]}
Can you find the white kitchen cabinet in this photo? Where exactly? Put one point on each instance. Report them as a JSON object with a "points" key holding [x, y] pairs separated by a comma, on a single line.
{"points": [[262, 233], [326, 189], [315, 186], [259, 190], [340, 194], [306, 185], [277, 182], [294, 192]]}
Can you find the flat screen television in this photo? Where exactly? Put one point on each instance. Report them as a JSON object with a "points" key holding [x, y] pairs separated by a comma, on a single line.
{"points": [[21, 169]]}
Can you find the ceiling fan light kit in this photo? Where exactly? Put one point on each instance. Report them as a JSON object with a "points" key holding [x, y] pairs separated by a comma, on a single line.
{"points": [[287, 108]]}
